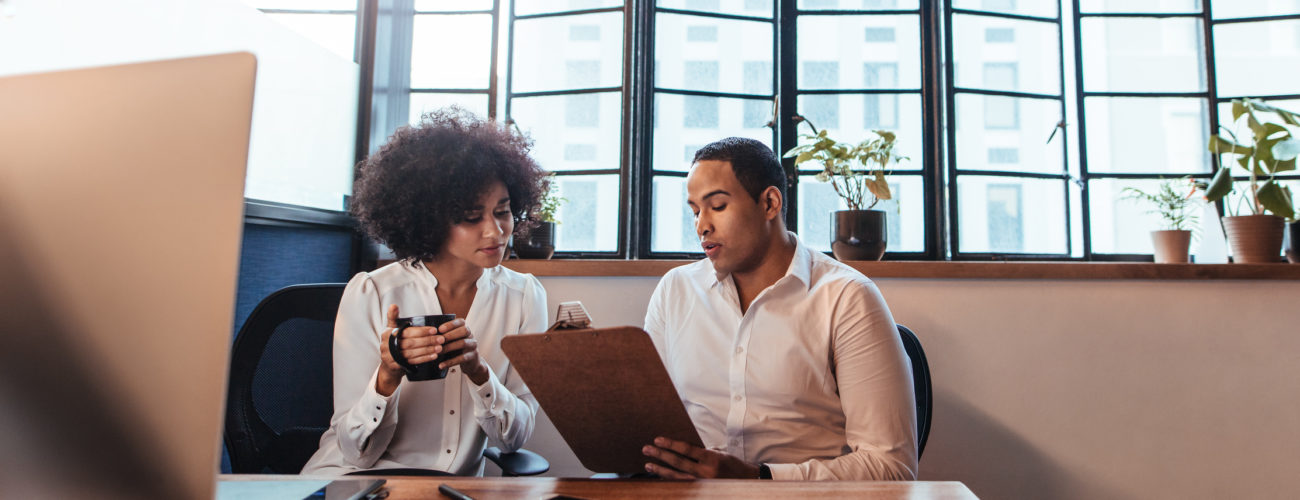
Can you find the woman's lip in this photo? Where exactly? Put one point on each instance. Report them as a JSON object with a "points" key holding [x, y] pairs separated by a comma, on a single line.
{"points": [[494, 249]]}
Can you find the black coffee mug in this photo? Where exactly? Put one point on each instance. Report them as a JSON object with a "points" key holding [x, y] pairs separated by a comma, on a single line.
{"points": [[423, 371]]}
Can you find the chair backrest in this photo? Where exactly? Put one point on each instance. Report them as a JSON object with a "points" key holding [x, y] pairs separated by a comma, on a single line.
{"points": [[921, 381], [280, 396]]}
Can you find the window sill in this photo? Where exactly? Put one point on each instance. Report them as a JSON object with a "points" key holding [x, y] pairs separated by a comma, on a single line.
{"points": [[951, 270]]}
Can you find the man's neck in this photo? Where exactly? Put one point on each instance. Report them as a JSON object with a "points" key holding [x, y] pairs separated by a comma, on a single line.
{"points": [[774, 264]]}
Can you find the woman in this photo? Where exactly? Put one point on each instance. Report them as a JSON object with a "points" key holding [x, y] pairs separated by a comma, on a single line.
{"points": [[444, 196]]}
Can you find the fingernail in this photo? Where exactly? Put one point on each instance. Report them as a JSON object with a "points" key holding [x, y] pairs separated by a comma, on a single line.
{"points": [[649, 468], [660, 441], [646, 450]]}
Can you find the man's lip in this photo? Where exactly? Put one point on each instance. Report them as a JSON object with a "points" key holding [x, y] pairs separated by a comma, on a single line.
{"points": [[711, 251]]}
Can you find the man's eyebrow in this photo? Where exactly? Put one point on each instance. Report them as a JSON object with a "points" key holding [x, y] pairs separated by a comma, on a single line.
{"points": [[715, 193]]}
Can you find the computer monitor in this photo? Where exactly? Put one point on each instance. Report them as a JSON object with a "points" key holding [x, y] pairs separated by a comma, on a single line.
{"points": [[121, 206]]}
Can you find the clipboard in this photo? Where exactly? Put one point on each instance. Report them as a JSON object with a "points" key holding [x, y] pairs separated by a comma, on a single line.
{"points": [[605, 390]]}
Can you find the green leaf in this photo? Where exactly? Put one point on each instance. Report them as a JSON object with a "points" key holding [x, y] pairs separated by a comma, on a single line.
{"points": [[879, 186], [1238, 109], [1284, 166], [803, 157], [1219, 186], [1274, 199], [1220, 145], [1287, 149]]}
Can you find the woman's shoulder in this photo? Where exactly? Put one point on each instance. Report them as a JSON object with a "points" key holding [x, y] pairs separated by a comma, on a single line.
{"points": [[384, 279]]}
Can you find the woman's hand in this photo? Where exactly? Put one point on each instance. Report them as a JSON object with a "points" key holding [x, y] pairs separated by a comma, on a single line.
{"points": [[390, 373], [454, 335]]}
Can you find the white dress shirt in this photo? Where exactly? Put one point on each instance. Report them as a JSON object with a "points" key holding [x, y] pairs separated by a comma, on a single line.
{"points": [[812, 379], [436, 424]]}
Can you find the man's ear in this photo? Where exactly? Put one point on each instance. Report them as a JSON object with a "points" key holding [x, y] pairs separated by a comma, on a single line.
{"points": [[772, 202]]}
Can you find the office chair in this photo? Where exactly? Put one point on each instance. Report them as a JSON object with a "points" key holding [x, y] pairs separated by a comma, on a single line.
{"points": [[281, 392], [921, 381]]}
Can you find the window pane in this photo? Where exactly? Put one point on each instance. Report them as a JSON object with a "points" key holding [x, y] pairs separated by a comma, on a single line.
{"points": [[674, 225], [304, 4], [1252, 8], [424, 102], [336, 32], [1253, 59], [856, 114], [589, 219], [1147, 135], [1022, 148], [904, 215], [528, 7], [467, 67], [683, 121], [857, 4], [1140, 6], [1011, 215], [1040, 8], [1143, 55], [452, 5], [1124, 226], [890, 43], [1032, 63], [547, 58], [572, 132], [753, 8], [712, 66]]}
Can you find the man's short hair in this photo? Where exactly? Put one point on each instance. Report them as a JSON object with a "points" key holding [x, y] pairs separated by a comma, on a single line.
{"points": [[755, 165]]}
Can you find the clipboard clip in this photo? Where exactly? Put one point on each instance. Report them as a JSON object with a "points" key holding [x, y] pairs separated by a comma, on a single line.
{"points": [[571, 316]]}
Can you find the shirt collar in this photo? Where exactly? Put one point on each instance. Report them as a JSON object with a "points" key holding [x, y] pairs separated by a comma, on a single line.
{"points": [[800, 267], [488, 276]]}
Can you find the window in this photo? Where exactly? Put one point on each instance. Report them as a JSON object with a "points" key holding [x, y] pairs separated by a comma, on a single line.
{"points": [[567, 92], [701, 95], [1021, 127]]}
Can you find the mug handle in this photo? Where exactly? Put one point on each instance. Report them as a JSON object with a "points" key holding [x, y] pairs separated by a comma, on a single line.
{"points": [[395, 350]]}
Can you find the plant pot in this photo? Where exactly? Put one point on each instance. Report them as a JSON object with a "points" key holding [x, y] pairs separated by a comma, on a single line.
{"points": [[1293, 252], [858, 234], [1171, 246], [1254, 239], [539, 243]]}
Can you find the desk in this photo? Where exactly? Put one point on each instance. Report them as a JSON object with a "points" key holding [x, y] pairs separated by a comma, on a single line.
{"points": [[484, 488]]}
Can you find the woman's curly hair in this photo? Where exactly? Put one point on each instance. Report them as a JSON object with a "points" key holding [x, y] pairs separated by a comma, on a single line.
{"points": [[408, 194]]}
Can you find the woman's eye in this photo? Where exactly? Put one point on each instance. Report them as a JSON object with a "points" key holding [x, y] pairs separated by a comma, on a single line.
{"points": [[720, 208], [473, 220], [503, 214]]}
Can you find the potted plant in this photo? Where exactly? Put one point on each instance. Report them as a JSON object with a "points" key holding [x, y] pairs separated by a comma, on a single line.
{"points": [[858, 233], [538, 242], [1255, 232], [1177, 219]]}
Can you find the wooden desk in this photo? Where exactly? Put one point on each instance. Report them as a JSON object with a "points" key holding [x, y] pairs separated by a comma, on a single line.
{"points": [[485, 488]]}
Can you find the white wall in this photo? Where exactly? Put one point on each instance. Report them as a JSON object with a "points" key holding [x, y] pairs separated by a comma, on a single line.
{"points": [[1079, 389]]}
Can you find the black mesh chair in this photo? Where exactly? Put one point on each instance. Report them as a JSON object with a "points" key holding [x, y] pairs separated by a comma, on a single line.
{"points": [[281, 393], [921, 381]]}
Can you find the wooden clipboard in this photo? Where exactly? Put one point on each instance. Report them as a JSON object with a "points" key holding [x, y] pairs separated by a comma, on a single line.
{"points": [[605, 390]]}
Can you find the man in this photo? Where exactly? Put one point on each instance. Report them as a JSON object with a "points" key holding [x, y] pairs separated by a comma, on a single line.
{"points": [[788, 362]]}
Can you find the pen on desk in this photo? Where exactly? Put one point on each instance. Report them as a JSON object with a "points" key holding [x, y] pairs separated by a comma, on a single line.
{"points": [[453, 492]]}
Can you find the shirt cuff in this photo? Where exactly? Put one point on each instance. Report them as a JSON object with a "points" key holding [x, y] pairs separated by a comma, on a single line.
{"points": [[785, 472], [489, 395], [375, 406]]}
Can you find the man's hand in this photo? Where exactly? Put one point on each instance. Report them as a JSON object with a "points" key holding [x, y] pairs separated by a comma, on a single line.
{"points": [[690, 462]]}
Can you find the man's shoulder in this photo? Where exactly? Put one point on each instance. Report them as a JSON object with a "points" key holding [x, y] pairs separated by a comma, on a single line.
{"points": [[828, 273]]}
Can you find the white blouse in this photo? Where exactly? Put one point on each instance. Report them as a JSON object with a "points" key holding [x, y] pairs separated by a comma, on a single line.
{"points": [[437, 424]]}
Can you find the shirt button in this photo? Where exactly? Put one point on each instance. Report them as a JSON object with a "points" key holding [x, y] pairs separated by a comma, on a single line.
{"points": [[488, 395], [737, 397], [378, 408], [740, 350], [376, 419], [453, 412], [453, 370], [448, 451]]}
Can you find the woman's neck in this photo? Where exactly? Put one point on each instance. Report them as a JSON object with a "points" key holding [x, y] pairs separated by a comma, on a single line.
{"points": [[455, 277]]}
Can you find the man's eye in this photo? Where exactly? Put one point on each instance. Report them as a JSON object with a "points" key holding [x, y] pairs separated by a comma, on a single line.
{"points": [[720, 208]]}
